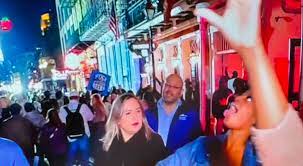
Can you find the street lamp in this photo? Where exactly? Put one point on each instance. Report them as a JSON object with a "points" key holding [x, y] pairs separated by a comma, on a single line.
{"points": [[150, 12]]}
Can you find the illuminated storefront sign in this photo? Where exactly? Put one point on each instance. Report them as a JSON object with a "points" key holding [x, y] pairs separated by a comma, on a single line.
{"points": [[72, 61], [57, 75]]}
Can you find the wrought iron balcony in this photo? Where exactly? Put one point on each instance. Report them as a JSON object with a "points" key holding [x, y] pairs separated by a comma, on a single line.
{"points": [[94, 23], [67, 3], [134, 14]]}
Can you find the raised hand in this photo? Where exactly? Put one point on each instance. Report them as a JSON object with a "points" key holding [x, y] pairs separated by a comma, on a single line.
{"points": [[240, 23]]}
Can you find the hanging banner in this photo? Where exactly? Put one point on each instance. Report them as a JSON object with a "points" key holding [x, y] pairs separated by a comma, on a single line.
{"points": [[99, 81]]}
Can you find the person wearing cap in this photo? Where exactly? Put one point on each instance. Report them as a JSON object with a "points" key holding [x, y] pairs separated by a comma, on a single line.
{"points": [[78, 144]]}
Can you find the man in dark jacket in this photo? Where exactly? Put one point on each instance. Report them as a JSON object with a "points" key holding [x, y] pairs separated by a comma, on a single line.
{"points": [[19, 130], [219, 103], [176, 122]]}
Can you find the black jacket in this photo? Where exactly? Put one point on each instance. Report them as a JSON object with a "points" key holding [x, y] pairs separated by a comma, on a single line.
{"points": [[217, 108], [21, 131], [135, 152]]}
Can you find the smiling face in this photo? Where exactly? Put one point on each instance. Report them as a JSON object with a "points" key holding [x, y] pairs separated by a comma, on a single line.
{"points": [[240, 114], [132, 117]]}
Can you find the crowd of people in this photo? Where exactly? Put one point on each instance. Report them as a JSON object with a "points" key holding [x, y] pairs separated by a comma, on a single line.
{"points": [[124, 129], [101, 130]]}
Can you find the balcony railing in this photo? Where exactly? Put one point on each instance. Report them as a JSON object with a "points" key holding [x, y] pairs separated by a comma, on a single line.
{"points": [[98, 10], [221, 45], [135, 13], [67, 3]]}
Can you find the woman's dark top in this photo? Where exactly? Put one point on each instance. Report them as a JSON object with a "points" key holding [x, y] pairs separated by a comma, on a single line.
{"points": [[53, 140], [137, 151]]}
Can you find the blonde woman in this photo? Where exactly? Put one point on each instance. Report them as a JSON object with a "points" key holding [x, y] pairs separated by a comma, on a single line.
{"points": [[128, 140]]}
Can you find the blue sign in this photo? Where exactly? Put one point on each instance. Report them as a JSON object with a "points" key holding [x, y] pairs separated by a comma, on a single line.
{"points": [[99, 81]]}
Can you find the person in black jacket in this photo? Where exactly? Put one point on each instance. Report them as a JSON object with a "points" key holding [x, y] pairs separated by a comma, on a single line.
{"points": [[219, 103], [52, 138], [19, 130], [128, 140]]}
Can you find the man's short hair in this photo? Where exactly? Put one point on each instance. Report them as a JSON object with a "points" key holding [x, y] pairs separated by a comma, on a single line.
{"points": [[47, 94], [235, 74], [29, 107], [59, 95], [240, 86], [15, 109]]}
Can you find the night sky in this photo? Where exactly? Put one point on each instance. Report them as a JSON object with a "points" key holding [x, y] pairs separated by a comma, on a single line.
{"points": [[26, 34]]}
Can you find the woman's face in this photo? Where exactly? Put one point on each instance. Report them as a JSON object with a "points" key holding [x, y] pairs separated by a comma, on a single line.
{"points": [[240, 114], [132, 118]]}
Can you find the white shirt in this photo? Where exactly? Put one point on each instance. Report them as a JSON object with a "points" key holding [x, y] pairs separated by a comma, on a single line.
{"points": [[230, 83], [84, 111]]}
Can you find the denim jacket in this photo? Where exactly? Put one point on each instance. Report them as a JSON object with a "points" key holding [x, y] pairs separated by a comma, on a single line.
{"points": [[201, 151]]}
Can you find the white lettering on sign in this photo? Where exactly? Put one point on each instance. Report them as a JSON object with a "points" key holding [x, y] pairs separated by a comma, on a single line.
{"points": [[100, 77], [99, 82], [99, 85]]}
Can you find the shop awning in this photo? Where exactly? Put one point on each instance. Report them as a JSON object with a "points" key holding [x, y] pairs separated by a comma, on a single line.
{"points": [[81, 46], [169, 4]]}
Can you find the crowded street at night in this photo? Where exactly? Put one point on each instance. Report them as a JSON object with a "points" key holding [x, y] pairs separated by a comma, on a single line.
{"points": [[151, 83]]}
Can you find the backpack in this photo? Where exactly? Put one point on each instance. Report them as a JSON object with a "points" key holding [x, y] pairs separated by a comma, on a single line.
{"points": [[74, 123]]}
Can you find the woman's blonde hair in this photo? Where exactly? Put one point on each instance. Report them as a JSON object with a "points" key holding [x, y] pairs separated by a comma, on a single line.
{"points": [[112, 128]]}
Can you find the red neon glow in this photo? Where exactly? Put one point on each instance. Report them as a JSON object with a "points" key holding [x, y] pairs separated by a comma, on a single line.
{"points": [[204, 53], [291, 6], [6, 24]]}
